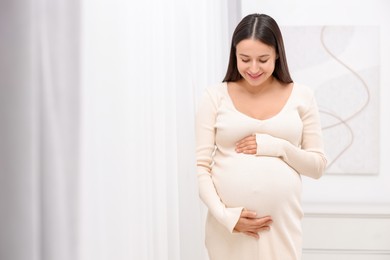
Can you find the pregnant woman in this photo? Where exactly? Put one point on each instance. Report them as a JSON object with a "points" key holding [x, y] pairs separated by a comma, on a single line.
{"points": [[257, 132]]}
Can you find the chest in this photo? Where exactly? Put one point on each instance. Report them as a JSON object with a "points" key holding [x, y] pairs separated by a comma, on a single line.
{"points": [[233, 125], [261, 108]]}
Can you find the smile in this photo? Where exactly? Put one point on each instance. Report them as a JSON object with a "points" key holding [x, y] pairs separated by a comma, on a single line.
{"points": [[254, 76]]}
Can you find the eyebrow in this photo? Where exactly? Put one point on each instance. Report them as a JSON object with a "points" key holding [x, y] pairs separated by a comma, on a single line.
{"points": [[247, 56]]}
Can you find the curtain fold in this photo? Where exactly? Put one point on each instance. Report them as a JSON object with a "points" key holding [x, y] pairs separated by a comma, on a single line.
{"points": [[17, 194], [56, 82], [39, 130]]}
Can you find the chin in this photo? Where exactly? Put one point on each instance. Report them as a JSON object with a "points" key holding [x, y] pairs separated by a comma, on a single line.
{"points": [[254, 83]]}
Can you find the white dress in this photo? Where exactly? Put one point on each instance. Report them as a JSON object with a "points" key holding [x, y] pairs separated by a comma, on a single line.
{"points": [[289, 145]]}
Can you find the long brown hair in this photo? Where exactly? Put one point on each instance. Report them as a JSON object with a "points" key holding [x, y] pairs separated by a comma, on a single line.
{"points": [[265, 29]]}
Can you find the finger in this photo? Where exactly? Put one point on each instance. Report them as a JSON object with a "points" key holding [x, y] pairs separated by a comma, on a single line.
{"points": [[267, 221], [258, 228], [247, 148], [256, 223], [247, 145], [249, 214], [265, 218], [246, 139], [250, 225], [249, 151], [267, 228]]}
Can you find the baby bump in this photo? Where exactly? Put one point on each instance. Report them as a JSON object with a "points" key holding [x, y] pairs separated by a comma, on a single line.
{"points": [[264, 184]]}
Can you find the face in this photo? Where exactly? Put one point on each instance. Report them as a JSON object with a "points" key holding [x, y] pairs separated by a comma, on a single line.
{"points": [[255, 61]]}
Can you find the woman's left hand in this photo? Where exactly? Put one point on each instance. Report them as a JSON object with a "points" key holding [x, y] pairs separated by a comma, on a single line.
{"points": [[247, 145]]}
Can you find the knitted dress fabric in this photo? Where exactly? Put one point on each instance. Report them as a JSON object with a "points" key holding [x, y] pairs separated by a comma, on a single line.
{"points": [[289, 144]]}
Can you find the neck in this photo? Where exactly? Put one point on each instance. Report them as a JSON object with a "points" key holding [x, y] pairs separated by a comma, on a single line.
{"points": [[258, 89]]}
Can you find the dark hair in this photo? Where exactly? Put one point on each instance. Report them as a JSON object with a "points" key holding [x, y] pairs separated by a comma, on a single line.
{"points": [[265, 29]]}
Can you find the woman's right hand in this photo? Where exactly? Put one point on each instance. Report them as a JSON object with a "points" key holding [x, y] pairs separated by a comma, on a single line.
{"points": [[251, 225]]}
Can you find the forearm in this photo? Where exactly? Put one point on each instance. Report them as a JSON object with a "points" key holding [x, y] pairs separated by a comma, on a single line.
{"points": [[208, 194], [309, 162]]}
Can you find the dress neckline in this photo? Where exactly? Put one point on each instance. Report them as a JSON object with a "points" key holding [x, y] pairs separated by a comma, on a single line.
{"points": [[226, 92]]}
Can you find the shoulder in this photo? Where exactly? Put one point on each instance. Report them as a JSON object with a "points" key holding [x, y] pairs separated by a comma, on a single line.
{"points": [[214, 92], [216, 89], [304, 98], [304, 91], [211, 96]]}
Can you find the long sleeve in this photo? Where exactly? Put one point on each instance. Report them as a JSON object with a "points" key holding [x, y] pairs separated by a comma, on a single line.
{"points": [[205, 146], [308, 159]]}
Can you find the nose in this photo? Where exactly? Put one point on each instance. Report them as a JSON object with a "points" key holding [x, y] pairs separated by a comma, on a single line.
{"points": [[254, 68]]}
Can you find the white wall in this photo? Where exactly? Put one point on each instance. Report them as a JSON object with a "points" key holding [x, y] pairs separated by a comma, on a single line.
{"points": [[347, 215]]}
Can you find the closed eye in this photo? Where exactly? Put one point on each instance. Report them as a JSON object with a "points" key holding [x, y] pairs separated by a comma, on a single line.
{"points": [[246, 61]]}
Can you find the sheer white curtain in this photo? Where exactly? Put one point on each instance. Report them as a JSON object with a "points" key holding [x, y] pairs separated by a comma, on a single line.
{"points": [[39, 129], [96, 142], [55, 55], [144, 64]]}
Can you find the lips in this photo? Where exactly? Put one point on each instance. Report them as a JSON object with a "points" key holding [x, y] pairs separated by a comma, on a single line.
{"points": [[256, 76]]}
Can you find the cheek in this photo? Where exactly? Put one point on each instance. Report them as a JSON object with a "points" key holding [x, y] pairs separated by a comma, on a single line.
{"points": [[242, 66], [269, 66]]}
